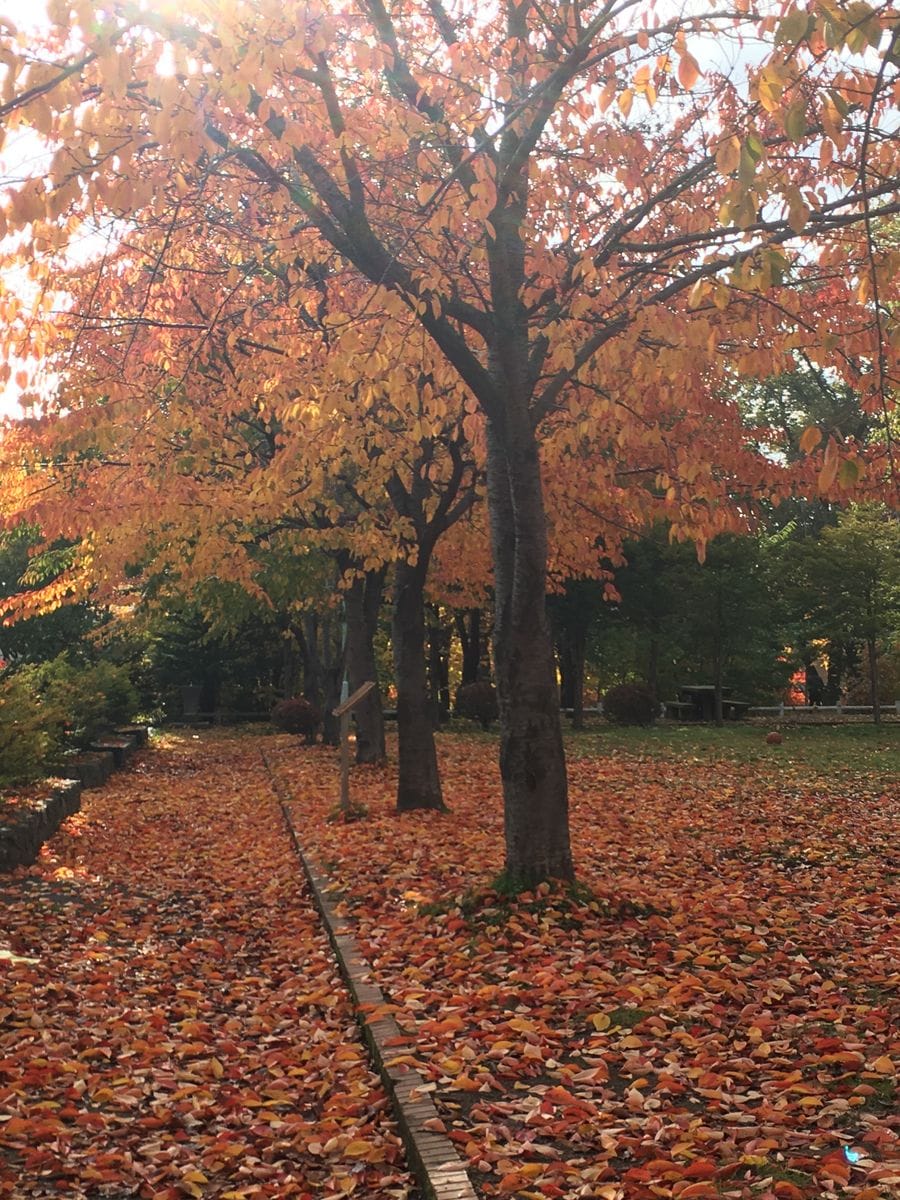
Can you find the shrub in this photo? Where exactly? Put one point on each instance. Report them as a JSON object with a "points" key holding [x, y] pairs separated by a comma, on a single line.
{"points": [[478, 702], [54, 706], [630, 704], [82, 701], [25, 739], [297, 716]]}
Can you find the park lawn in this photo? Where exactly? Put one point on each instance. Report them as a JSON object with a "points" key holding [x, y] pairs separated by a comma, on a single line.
{"points": [[712, 1012], [172, 1024], [855, 745]]}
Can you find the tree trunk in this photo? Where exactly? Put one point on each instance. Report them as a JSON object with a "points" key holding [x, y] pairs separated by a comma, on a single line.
{"points": [[308, 639], [362, 601], [438, 665], [872, 655], [418, 784], [578, 653], [532, 760], [468, 630], [566, 673], [717, 661], [653, 665], [332, 660]]}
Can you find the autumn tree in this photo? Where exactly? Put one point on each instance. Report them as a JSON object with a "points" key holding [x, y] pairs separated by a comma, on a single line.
{"points": [[556, 196]]}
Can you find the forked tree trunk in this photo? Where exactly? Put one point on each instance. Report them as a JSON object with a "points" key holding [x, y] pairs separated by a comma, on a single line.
{"points": [[362, 601], [418, 784], [532, 760]]}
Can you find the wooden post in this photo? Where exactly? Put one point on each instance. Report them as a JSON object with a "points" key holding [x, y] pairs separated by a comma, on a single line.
{"points": [[343, 711]]}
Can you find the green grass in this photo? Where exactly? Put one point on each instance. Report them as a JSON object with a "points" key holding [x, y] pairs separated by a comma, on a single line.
{"points": [[852, 748]]}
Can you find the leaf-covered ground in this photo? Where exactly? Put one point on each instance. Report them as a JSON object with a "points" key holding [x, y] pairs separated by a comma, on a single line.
{"points": [[171, 1022], [715, 1014]]}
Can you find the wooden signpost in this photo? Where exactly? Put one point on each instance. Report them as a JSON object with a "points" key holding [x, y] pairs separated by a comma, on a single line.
{"points": [[343, 710]]}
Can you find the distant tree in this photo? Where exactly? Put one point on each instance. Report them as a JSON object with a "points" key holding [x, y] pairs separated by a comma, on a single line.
{"points": [[573, 614], [847, 584], [647, 613], [731, 619]]}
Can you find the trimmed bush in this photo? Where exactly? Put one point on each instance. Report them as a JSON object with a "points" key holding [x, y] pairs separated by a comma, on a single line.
{"points": [[297, 715], [477, 702], [630, 704]]}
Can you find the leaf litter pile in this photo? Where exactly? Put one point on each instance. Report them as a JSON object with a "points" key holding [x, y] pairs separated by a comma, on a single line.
{"points": [[713, 1012], [171, 1021]]}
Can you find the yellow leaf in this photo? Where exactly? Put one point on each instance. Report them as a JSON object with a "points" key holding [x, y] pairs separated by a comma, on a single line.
{"points": [[357, 1149], [770, 88], [883, 1065], [600, 1021], [625, 101], [728, 155]]}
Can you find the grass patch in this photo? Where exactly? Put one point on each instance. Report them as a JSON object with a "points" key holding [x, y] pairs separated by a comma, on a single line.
{"points": [[627, 1018], [775, 1173], [884, 1096], [826, 749]]}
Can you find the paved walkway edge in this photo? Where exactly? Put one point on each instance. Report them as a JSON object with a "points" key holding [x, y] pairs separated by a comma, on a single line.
{"points": [[432, 1156]]}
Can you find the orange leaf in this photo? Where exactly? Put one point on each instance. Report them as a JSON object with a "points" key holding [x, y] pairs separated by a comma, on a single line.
{"points": [[688, 71], [810, 438], [829, 466]]}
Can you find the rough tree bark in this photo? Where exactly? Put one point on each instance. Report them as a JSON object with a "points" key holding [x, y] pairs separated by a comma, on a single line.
{"points": [[532, 760]]}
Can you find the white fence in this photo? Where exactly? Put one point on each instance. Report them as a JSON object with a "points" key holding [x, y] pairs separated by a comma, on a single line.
{"points": [[813, 710]]}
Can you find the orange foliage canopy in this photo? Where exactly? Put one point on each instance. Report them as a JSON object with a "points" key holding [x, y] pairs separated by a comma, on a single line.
{"points": [[672, 216]]}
